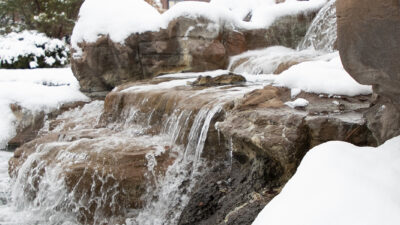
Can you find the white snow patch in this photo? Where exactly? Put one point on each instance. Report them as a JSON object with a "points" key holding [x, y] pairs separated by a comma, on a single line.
{"points": [[294, 92], [120, 18], [36, 90], [117, 18], [300, 102], [320, 76], [339, 183], [265, 12]]}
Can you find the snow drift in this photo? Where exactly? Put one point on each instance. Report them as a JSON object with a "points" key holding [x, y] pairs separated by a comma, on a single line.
{"points": [[120, 18], [339, 183]]}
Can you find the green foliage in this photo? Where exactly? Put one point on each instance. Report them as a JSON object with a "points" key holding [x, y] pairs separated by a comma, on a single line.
{"points": [[55, 18]]}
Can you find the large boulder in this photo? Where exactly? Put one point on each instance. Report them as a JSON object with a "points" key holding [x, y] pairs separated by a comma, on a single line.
{"points": [[186, 45], [369, 45]]}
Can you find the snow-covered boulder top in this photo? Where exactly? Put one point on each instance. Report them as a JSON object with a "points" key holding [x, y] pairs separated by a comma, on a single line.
{"points": [[120, 18]]}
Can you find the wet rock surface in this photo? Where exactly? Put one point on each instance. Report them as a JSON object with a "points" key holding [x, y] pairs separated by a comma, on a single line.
{"points": [[186, 45]]}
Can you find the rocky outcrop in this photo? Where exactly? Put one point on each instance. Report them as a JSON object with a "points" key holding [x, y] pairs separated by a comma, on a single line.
{"points": [[286, 31], [369, 45], [267, 141], [187, 44], [228, 157]]}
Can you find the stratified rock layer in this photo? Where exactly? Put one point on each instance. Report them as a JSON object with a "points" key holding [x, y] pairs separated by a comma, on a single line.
{"points": [[187, 44], [369, 44]]}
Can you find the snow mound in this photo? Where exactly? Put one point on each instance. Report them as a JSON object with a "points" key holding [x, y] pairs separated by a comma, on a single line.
{"points": [[339, 183], [117, 18], [300, 102], [36, 90], [321, 76], [120, 18], [264, 12], [30, 49]]}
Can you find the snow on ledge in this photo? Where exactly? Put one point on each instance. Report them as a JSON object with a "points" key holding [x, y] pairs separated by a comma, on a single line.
{"points": [[120, 18], [339, 183], [322, 76]]}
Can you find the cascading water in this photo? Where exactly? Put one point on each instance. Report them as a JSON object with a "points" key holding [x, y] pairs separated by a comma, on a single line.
{"points": [[320, 39], [38, 195], [322, 34], [171, 193]]}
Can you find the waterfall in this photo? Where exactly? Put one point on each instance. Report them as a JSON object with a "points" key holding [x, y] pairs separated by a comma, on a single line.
{"points": [[172, 192], [37, 195], [319, 39], [42, 193], [322, 33]]}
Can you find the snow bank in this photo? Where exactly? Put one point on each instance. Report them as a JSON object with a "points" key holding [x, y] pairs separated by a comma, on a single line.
{"points": [[30, 49], [117, 18], [36, 90], [322, 73], [264, 12], [214, 13], [120, 18], [321, 76], [339, 183]]}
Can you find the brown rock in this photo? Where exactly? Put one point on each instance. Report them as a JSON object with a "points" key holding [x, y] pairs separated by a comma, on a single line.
{"points": [[369, 45], [228, 79], [186, 45], [285, 66], [269, 97], [287, 31]]}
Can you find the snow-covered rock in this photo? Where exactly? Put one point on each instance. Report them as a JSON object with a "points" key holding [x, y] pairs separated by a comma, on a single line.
{"points": [[190, 37], [38, 91], [125, 17], [322, 76]]}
